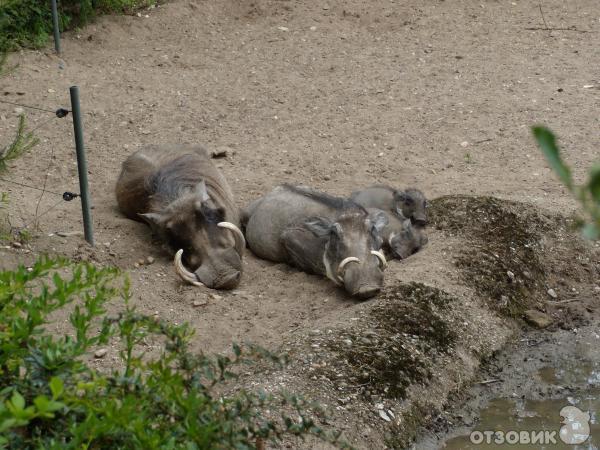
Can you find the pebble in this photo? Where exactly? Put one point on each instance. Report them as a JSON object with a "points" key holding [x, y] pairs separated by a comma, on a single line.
{"points": [[100, 353], [16, 244], [216, 296], [149, 260], [198, 303], [510, 275], [19, 110], [464, 144], [313, 28], [283, 28], [384, 415], [537, 318], [552, 293]]}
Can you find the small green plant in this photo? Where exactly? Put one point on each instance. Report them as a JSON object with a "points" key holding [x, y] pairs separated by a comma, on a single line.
{"points": [[468, 158], [587, 194], [51, 398], [23, 142]]}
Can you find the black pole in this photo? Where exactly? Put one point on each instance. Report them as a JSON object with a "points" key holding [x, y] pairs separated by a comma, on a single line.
{"points": [[81, 166], [56, 29]]}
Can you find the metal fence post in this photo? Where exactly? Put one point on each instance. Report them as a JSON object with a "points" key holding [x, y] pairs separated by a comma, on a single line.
{"points": [[56, 29], [81, 165]]}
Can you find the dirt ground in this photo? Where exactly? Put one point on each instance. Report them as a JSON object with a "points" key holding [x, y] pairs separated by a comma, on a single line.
{"points": [[439, 95]]}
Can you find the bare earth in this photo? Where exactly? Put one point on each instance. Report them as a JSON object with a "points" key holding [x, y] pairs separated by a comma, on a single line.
{"points": [[439, 95]]}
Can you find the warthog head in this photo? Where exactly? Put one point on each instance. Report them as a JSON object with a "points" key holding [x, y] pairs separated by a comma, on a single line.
{"points": [[407, 240], [208, 248], [352, 256], [411, 204]]}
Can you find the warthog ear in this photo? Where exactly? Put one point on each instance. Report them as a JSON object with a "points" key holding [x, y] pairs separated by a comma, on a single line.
{"points": [[319, 226], [378, 220]]}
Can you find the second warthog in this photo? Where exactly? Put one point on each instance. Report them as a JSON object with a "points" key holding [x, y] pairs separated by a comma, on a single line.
{"points": [[186, 200], [410, 204], [319, 234]]}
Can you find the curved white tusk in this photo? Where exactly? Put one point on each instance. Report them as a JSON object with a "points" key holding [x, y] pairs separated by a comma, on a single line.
{"points": [[240, 242], [340, 270], [185, 274], [381, 258]]}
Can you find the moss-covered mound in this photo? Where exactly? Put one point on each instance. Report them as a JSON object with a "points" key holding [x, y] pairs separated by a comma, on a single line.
{"points": [[392, 347], [502, 259]]}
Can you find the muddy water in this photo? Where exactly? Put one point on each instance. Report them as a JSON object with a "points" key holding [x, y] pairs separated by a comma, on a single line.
{"points": [[538, 422]]}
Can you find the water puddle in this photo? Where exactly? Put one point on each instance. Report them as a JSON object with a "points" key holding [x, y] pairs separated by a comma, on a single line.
{"points": [[537, 424]]}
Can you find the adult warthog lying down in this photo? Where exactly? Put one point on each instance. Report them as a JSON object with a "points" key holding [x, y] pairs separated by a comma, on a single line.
{"points": [[410, 204], [179, 192], [319, 234]]}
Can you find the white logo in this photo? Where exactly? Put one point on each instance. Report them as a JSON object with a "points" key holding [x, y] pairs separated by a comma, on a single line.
{"points": [[576, 428]]}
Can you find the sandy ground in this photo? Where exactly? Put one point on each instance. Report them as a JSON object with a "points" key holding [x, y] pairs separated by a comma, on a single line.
{"points": [[438, 95]]}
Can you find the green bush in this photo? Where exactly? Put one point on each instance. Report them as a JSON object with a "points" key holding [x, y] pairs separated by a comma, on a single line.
{"points": [[587, 194], [28, 23], [51, 398]]}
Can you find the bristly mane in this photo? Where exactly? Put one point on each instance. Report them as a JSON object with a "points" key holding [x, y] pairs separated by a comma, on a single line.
{"points": [[326, 199], [174, 179]]}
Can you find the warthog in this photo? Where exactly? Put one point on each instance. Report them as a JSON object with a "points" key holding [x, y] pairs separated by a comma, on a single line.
{"points": [[410, 204], [400, 237], [319, 234], [184, 198]]}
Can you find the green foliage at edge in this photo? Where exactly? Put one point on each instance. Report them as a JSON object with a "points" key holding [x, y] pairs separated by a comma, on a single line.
{"points": [[157, 395], [587, 194]]}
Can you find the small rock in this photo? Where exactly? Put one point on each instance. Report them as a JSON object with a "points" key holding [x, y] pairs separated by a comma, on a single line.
{"points": [[348, 342], [552, 293], [19, 110], [51, 91], [69, 233], [220, 152], [149, 260], [537, 318], [141, 261], [384, 415], [326, 177], [216, 296], [198, 303], [17, 244], [313, 28], [283, 28], [100, 353], [464, 144]]}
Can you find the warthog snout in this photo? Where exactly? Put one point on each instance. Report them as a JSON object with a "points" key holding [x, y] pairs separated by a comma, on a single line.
{"points": [[364, 279]]}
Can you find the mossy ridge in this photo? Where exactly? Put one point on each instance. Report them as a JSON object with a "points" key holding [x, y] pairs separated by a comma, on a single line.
{"points": [[394, 345], [502, 262]]}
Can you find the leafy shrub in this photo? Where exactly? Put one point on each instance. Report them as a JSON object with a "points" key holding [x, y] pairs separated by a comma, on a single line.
{"points": [[28, 23], [51, 398], [587, 194]]}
